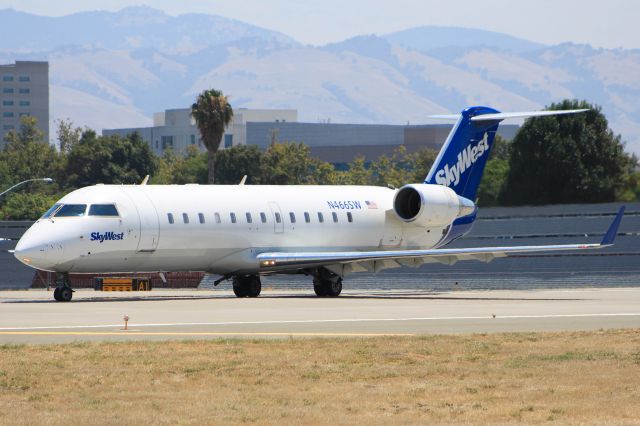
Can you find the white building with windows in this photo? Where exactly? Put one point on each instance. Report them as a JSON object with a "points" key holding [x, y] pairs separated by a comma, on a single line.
{"points": [[24, 90], [176, 129]]}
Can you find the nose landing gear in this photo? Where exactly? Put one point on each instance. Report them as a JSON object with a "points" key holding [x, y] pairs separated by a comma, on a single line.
{"points": [[63, 291]]}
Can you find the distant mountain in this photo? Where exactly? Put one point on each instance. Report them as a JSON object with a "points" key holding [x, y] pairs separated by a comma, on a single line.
{"points": [[130, 28], [431, 38], [368, 79]]}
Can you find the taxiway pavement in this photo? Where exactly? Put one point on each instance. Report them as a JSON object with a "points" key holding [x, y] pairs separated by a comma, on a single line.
{"points": [[34, 317]]}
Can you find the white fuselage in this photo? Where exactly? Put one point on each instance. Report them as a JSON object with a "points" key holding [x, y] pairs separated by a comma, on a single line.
{"points": [[142, 239]]}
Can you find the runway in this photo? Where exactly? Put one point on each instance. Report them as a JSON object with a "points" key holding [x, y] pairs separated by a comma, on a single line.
{"points": [[34, 317]]}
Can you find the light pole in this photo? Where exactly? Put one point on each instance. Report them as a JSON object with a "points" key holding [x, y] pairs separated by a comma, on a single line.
{"points": [[48, 180]]}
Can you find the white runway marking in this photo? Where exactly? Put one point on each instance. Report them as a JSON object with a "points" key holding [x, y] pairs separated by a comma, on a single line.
{"points": [[320, 321]]}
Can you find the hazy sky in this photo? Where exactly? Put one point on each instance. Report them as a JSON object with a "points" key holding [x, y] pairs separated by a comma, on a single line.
{"points": [[611, 23]]}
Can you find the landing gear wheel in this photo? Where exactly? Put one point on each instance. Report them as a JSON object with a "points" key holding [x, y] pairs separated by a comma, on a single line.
{"points": [[63, 291], [254, 286], [65, 294], [239, 289], [326, 283], [247, 286], [319, 289], [334, 287]]}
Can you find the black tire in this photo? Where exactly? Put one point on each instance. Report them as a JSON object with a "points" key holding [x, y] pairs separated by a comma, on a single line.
{"points": [[56, 294], [66, 294], [333, 288], [239, 287], [253, 286], [320, 289]]}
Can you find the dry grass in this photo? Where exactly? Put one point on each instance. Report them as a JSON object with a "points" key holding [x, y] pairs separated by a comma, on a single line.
{"points": [[499, 378]]}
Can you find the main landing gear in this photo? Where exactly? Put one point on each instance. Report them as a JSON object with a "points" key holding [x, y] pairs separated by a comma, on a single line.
{"points": [[247, 285], [326, 283], [63, 291]]}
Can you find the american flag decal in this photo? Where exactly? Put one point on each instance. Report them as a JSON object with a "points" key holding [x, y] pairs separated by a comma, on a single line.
{"points": [[371, 204]]}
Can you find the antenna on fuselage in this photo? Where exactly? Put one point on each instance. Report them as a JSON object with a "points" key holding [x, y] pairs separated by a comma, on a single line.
{"points": [[243, 180], [145, 180]]}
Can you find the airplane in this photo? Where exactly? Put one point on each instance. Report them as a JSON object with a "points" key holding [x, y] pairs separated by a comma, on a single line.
{"points": [[242, 232]]}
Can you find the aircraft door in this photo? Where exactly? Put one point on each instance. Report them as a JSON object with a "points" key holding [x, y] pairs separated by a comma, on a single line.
{"points": [[276, 215], [149, 222]]}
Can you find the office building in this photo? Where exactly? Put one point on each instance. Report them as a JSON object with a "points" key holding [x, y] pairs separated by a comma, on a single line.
{"points": [[24, 90], [334, 143], [177, 130]]}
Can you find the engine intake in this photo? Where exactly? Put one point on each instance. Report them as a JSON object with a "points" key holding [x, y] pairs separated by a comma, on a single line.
{"points": [[430, 205]]}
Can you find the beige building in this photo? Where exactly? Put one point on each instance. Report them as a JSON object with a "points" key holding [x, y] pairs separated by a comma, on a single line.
{"points": [[176, 129], [24, 90]]}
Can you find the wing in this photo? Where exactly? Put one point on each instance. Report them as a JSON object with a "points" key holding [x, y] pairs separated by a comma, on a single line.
{"points": [[375, 261]]}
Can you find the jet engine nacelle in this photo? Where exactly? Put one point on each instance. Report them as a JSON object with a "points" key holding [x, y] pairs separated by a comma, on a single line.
{"points": [[430, 205]]}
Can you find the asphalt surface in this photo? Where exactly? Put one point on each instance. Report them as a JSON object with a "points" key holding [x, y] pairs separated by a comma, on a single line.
{"points": [[34, 317]]}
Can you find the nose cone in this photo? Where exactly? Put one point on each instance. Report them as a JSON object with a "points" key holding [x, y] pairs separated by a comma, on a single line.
{"points": [[37, 253]]}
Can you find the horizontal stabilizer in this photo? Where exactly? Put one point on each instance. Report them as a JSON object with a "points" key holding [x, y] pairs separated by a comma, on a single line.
{"points": [[445, 117], [524, 114], [507, 115]]}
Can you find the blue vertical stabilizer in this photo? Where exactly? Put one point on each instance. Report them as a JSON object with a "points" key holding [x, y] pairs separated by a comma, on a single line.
{"points": [[464, 154]]}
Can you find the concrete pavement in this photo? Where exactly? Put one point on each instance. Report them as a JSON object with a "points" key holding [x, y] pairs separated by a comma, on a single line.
{"points": [[34, 317]]}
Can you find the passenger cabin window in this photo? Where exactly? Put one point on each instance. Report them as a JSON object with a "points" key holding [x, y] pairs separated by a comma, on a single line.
{"points": [[263, 217], [307, 218], [103, 210], [201, 217], [51, 211], [249, 219], [185, 218], [170, 218], [320, 217], [216, 217], [335, 217], [349, 217], [71, 210], [233, 217], [292, 217], [278, 218]]}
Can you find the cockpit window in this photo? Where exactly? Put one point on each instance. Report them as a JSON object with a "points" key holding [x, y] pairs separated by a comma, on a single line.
{"points": [[103, 210], [51, 211], [71, 210]]}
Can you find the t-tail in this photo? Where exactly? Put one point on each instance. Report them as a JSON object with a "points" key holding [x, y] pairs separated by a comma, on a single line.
{"points": [[461, 161]]}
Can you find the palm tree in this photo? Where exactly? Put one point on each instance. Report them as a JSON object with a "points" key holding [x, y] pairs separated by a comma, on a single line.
{"points": [[212, 113]]}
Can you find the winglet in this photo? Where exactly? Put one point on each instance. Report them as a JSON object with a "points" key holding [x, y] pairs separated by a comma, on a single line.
{"points": [[145, 180], [610, 236]]}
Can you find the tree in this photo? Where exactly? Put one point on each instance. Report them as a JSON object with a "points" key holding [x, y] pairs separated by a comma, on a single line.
{"points": [[495, 175], [27, 155], [292, 164], [391, 171], [26, 206], [357, 173], [421, 162], [234, 163], [212, 113], [167, 165], [567, 159], [68, 135], [192, 168], [109, 160]]}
